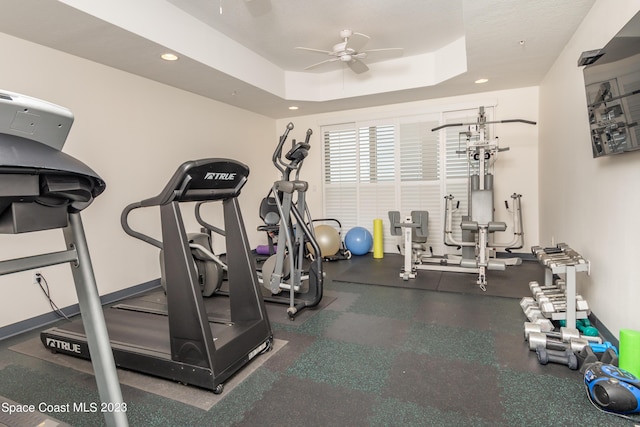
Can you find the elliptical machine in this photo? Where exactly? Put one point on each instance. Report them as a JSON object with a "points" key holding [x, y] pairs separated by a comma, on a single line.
{"points": [[283, 271]]}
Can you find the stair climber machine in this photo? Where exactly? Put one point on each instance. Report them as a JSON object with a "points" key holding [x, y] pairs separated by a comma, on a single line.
{"points": [[181, 340], [478, 226], [283, 273], [42, 188]]}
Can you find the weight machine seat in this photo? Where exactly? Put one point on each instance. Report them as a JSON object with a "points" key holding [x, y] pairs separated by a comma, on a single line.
{"points": [[419, 225], [40, 186], [420, 233]]}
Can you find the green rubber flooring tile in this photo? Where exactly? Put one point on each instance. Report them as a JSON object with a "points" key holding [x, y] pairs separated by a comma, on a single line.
{"points": [[394, 412], [374, 356], [299, 402], [447, 385], [290, 352], [538, 400], [343, 300], [62, 386], [350, 365], [355, 288], [505, 314], [451, 342], [454, 310], [229, 411], [368, 330], [314, 326], [150, 410], [394, 303]]}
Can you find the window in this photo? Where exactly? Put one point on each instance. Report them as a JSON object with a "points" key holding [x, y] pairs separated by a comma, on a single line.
{"points": [[340, 156], [376, 146], [419, 165], [397, 165], [359, 173]]}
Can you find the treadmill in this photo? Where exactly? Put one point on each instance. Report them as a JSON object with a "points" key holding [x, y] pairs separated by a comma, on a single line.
{"points": [[42, 188], [179, 340]]}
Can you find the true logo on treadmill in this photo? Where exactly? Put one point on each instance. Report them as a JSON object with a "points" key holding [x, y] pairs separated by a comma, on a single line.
{"points": [[63, 345], [221, 176]]}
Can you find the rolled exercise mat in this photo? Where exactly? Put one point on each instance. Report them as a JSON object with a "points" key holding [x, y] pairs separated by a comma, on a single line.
{"points": [[378, 240], [629, 357]]}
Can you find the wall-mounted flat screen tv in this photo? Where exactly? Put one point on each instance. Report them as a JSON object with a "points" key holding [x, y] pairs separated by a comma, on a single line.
{"points": [[612, 82]]}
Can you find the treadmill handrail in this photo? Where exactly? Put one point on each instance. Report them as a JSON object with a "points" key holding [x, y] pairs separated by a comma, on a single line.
{"points": [[226, 182], [133, 233]]}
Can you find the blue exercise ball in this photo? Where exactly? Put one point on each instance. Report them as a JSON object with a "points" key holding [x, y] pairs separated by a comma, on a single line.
{"points": [[358, 240]]}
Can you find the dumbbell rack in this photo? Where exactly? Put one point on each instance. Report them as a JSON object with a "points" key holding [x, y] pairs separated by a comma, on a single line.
{"points": [[563, 260]]}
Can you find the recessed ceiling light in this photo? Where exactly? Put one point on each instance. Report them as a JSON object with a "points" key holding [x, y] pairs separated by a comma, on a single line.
{"points": [[169, 57], [293, 107], [481, 81]]}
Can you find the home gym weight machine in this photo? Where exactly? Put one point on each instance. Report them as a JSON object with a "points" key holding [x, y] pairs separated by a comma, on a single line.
{"points": [[181, 341], [284, 271], [478, 226], [42, 188]]}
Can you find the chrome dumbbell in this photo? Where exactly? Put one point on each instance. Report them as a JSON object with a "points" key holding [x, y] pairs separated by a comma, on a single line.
{"points": [[550, 307], [539, 339], [565, 334]]}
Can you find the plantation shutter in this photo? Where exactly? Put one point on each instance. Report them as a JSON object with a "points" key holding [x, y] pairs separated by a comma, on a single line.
{"points": [[420, 176], [398, 165], [340, 174]]}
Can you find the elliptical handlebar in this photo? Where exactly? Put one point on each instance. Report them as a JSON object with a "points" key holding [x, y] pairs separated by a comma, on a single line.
{"points": [[295, 155], [278, 152]]}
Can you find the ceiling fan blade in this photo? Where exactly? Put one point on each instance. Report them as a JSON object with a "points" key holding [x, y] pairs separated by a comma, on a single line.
{"points": [[390, 52], [310, 49], [357, 67], [356, 42], [322, 62]]}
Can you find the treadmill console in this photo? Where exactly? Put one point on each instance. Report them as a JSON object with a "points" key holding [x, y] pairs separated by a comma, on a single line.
{"points": [[203, 180], [39, 184], [34, 119]]}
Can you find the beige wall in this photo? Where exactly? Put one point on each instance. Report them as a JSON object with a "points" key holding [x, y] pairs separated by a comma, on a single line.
{"points": [[591, 204], [134, 133]]}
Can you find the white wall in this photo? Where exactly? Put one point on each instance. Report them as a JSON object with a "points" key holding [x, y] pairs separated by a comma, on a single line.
{"points": [[134, 133], [515, 170], [591, 204]]}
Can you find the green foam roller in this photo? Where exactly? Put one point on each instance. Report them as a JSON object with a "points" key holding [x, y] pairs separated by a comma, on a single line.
{"points": [[629, 351]]}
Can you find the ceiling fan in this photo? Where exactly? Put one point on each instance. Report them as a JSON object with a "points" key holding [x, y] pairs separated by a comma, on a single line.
{"points": [[350, 52]]}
